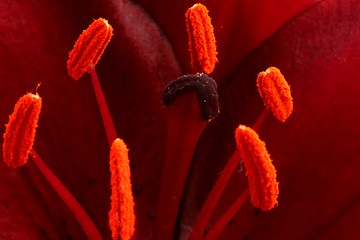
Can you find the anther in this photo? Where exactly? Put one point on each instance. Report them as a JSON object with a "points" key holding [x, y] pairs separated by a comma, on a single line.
{"points": [[89, 47], [121, 215], [259, 168], [206, 92], [20, 131], [275, 92], [202, 44]]}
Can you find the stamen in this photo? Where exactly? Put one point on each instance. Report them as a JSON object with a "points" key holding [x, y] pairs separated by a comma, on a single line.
{"points": [[185, 125], [275, 92], [217, 190], [202, 44], [121, 215], [86, 53], [18, 141], [89, 47], [259, 169], [20, 131]]}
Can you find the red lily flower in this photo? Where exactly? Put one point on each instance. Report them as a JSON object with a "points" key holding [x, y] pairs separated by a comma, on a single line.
{"points": [[314, 43]]}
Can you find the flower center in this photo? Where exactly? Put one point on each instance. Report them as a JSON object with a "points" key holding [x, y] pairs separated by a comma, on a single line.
{"points": [[192, 102]]}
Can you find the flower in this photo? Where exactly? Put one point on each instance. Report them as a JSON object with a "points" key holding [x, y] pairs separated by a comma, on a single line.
{"points": [[314, 43]]}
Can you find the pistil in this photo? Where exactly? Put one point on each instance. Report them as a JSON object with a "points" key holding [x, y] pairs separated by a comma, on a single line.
{"points": [[191, 103]]}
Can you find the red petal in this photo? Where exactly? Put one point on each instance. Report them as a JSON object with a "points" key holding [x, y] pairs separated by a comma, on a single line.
{"points": [[314, 152]]}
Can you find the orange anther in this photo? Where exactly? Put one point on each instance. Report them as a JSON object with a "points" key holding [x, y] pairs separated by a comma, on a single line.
{"points": [[202, 44], [89, 47], [121, 215], [275, 92], [20, 131], [260, 171]]}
